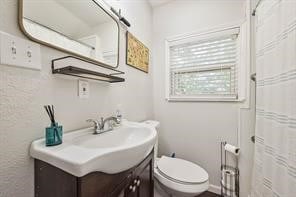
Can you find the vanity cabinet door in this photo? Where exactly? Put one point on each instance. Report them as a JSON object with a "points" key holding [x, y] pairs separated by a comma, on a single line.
{"points": [[103, 185], [145, 182], [131, 190], [121, 190], [142, 182], [144, 179], [51, 181]]}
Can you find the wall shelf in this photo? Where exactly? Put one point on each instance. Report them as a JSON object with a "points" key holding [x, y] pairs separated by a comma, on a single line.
{"points": [[74, 66]]}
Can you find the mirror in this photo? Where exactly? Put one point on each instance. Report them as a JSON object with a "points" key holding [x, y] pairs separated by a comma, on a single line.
{"points": [[81, 28]]}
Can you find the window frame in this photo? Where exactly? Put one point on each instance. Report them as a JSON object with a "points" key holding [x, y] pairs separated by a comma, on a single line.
{"points": [[207, 34]]}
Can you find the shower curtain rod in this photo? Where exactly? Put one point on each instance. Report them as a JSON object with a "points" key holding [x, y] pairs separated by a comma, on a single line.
{"points": [[255, 9]]}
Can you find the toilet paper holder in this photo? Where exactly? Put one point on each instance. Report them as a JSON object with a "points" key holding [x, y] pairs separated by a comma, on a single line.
{"points": [[229, 174]]}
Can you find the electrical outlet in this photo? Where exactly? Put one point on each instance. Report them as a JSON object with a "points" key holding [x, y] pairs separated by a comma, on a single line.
{"points": [[83, 89], [19, 52]]}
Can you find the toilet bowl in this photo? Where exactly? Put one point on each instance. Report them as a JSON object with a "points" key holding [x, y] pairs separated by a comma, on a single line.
{"points": [[178, 177]]}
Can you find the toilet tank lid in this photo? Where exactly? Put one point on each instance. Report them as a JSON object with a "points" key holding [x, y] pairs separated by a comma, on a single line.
{"points": [[153, 123]]}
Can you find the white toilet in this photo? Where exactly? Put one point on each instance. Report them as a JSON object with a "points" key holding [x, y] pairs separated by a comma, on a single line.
{"points": [[178, 177]]}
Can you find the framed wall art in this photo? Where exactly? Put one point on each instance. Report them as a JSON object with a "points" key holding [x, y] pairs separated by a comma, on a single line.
{"points": [[137, 54]]}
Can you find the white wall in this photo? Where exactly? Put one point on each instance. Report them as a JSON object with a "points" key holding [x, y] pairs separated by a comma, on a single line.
{"points": [[24, 92], [194, 129]]}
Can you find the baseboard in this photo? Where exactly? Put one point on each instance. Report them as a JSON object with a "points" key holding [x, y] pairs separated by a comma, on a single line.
{"points": [[215, 189]]}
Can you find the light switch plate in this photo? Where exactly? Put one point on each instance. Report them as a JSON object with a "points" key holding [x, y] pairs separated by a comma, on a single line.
{"points": [[83, 89], [15, 51]]}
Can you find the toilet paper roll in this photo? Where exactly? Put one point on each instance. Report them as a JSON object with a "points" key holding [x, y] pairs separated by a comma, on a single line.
{"points": [[228, 179], [228, 182], [232, 149]]}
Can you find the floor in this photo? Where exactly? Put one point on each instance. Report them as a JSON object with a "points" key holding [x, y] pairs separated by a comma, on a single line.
{"points": [[205, 194], [159, 191], [209, 194]]}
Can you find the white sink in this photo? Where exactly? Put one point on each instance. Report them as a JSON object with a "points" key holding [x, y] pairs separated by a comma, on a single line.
{"points": [[110, 152]]}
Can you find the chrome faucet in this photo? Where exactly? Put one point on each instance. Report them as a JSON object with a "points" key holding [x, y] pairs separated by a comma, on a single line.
{"points": [[109, 120], [99, 126]]}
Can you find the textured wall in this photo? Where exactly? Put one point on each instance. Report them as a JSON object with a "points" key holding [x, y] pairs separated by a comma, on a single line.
{"points": [[24, 92]]}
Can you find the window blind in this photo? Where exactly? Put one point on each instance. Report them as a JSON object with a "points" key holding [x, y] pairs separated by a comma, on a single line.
{"points": [[204, 67]]}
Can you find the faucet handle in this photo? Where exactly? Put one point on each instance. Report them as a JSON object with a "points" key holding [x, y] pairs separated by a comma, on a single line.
{"points": [[102, 119], [93, 121], [118, 116], [97, 125]]}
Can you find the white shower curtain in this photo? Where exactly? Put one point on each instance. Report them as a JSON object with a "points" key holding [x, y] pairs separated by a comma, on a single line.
{"points": [[274, 171]]}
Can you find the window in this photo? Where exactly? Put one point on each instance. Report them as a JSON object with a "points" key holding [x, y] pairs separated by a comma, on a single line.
{"points": [[203, 67]]}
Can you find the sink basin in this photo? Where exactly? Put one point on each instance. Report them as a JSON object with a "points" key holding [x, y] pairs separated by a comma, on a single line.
{"points": [[110, 152], [123, 136]]}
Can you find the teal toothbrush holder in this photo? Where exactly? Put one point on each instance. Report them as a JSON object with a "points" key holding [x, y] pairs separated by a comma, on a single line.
{"points": [[54, 134]]}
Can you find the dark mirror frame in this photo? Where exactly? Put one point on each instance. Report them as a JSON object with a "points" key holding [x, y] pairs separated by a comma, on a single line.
{"points": [[21, 25]]}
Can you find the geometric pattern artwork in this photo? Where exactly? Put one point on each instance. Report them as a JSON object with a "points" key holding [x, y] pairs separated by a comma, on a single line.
{"points": [[137, 54]]}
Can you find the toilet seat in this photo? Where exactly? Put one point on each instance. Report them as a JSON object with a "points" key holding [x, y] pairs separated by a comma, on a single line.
{"points": [[181, 171], [181, 175]]}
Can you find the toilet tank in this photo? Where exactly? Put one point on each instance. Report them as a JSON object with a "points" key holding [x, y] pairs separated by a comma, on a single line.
{"points": [[154, 124]]}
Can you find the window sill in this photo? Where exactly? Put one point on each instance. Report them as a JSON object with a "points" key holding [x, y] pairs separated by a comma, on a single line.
{"points": [[204, 99]]}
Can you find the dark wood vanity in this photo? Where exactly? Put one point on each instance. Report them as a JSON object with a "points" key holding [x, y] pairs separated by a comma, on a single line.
{"points": [[138, 181]]}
